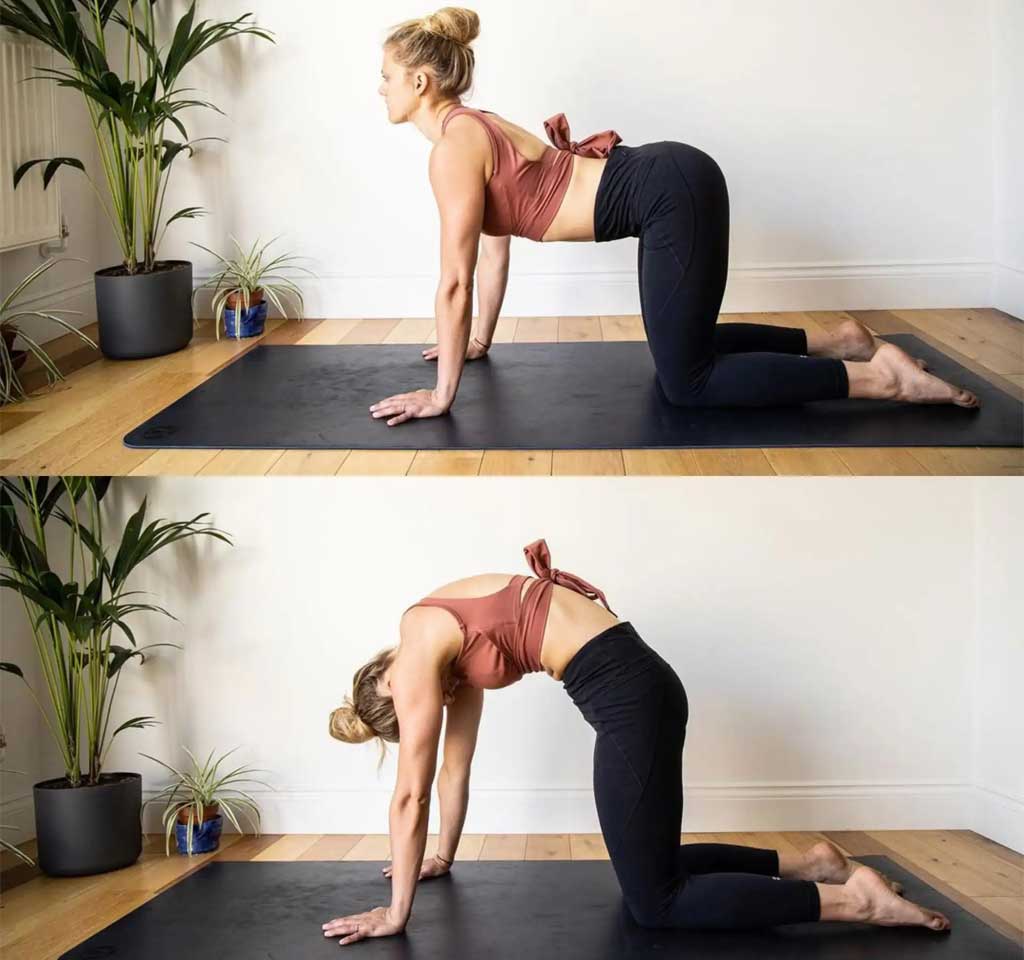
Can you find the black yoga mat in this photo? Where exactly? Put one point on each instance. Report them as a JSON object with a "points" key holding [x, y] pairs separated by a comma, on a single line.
{"points": [[501, 910], [556, 396]]}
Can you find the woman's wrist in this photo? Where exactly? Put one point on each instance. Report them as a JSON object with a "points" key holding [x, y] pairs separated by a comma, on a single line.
{"points": [[481, 343], [443, 398], [445, 859]]}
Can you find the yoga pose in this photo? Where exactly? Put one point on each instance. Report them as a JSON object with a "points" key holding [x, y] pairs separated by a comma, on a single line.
{"points": [[486, 632], [493, 180]]}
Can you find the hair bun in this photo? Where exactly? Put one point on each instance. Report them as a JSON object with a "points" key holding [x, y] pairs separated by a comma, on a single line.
{"points": [[347, 725], [454, 23]]}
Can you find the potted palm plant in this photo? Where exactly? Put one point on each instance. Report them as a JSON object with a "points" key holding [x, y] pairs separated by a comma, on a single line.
{"points": [[143, 304], [11, 360], [87, 821], [245, 281], [197, 800]]}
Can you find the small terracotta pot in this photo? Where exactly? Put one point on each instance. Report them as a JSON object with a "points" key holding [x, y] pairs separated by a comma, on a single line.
{"points": [[235, 299], [208, 814]]}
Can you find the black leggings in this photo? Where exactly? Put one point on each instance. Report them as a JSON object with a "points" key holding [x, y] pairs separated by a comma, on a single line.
{"points": [[674, 198], [637, 705]]}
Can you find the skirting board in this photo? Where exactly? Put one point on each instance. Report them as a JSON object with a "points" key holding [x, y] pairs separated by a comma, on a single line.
{"points": [[705, 809], [787, 287], [1008, 290], [997, 816]]}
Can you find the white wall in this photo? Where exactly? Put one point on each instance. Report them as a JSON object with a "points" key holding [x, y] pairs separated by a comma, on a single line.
{"points": [[863, 171], [998, 729], [828, 634], [1008, 74], [859, 163]]}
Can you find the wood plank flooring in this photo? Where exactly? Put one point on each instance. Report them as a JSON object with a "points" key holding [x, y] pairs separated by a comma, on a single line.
{"points": [[77, 427], [46, 916]]}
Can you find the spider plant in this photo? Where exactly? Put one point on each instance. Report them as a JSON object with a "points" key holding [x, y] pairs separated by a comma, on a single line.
{"points": [[73, 617], [6, 844], [129, 112], [203, 786], [11, 389], [245, 274]]}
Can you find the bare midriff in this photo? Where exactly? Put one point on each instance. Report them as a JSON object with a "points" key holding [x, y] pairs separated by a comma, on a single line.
{"points": [[573, 621], [575, 218]]}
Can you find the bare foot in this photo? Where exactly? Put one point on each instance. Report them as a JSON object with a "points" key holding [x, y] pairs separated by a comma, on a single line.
{"points": [[903, 379], [826, 863], [874, 902], [851, 340]]}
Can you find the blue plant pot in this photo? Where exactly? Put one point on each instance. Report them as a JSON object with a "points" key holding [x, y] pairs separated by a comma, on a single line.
{"points": [[253, 321], [205, 836]]}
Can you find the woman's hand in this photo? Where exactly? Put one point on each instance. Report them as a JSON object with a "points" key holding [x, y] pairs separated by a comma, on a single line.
{"points": [[374, 923], [408, 406], [474, 351], [431, 868]]}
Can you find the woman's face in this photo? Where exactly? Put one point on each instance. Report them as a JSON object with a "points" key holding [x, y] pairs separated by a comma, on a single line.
{"points": [[398, 88]]}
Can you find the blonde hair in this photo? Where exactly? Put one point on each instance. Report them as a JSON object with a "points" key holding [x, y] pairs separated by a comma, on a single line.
{"points": [[441, 42], [367, 714]]}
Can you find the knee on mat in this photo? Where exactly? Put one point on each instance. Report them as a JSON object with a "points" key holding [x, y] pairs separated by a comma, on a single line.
{"points": [[679, 394], [647, 914]]}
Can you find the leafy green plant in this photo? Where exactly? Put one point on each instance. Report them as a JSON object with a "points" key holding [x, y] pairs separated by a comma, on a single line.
{"points": [[6, 844], [74, 617], [131, 111], [11, 389], [243, 275], [203, 787]]}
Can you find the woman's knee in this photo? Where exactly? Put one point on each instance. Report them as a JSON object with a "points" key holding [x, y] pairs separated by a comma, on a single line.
{"points": [[681, 391], [649, 913]]}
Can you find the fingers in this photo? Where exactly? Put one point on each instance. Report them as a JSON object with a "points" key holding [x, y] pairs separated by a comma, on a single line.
{"points": [[395, 402], [430, 353], [395, 421], [388, 408]]}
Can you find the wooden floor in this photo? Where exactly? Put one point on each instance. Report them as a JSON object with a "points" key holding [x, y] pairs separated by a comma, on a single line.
{"points": [[77, 427], [44, 916]]}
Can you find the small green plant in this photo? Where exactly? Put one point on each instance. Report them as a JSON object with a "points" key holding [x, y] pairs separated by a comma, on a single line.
{"points": [[201, 787], [241, 276], [6, 844], [11, 389]]}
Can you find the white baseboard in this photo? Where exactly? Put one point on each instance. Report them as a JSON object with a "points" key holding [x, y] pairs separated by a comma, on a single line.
{"points": [[78, 296], [751, 289], [912, 806], [998, 816], [18, 812], [1008, 290], [707, 808]]}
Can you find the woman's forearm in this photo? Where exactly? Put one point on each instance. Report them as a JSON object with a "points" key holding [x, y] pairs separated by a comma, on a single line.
{"points": [[454, 312], [408, 823], [491, 281], [453, 792]]}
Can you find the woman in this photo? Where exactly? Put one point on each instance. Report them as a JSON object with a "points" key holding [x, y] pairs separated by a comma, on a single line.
{"points": [[493, 179], [486, 632]]}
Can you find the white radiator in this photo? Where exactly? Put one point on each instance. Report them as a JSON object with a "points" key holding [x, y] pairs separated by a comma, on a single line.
{"points": [[28, 129]]}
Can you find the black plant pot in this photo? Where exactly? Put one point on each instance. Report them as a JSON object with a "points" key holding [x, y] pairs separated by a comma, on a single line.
{"points": [[144, 314], [86, 830]]}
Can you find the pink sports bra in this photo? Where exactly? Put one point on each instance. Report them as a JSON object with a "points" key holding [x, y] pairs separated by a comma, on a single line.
{"points": [[503, 631], [523, 196]]}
